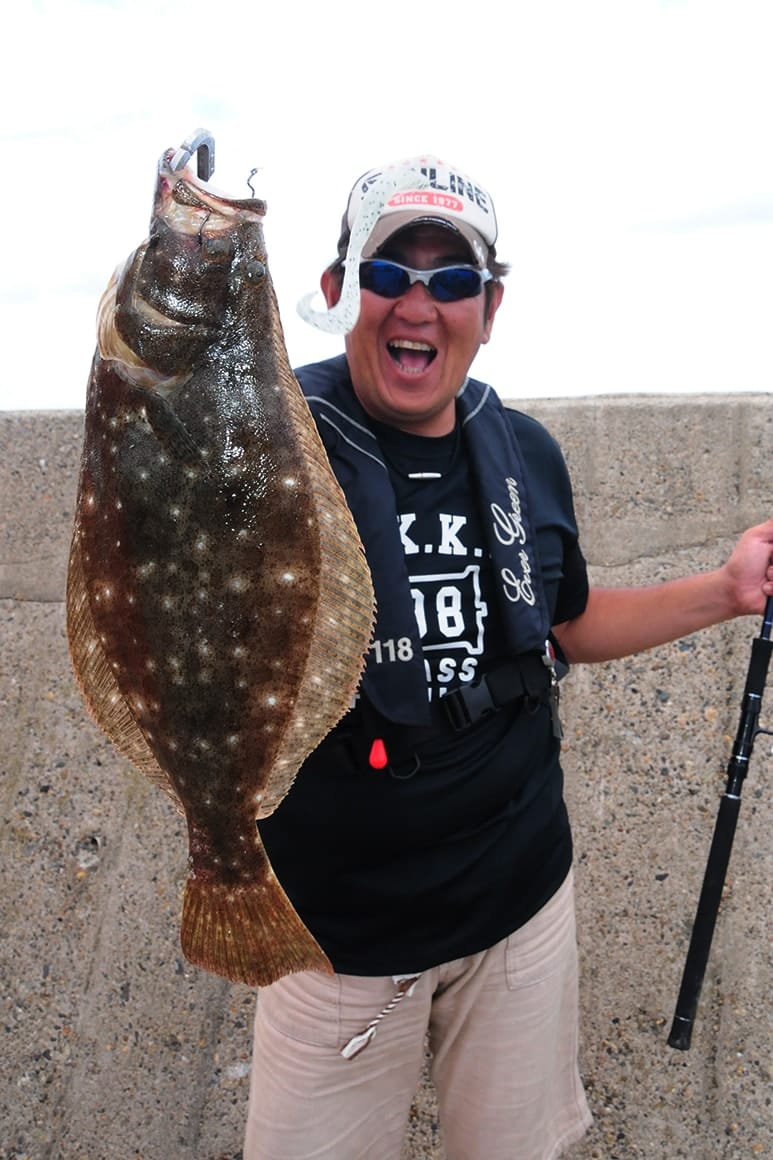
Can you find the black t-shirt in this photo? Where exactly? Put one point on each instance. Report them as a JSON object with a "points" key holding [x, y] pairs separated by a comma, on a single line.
{"points": [[463, 839]]}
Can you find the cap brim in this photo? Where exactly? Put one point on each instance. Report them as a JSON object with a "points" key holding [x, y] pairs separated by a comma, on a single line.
{"points": [[389, 225]]}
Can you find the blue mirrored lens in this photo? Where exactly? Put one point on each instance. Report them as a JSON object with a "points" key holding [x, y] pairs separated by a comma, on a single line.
{"points": [[455, 283], [384, 278]]}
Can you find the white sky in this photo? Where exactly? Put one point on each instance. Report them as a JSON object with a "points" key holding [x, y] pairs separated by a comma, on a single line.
{"points": [[627, 145]]}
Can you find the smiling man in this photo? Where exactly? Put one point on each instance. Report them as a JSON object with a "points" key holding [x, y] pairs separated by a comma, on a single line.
{"points": [[426, 842], [410, 351]]}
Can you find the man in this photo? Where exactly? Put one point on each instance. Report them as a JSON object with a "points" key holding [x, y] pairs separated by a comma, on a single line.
{"points": [[426, 842]]}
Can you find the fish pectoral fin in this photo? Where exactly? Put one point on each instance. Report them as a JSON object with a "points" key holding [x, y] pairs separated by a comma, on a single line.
{"points": [[248, 933], [169, 429]]}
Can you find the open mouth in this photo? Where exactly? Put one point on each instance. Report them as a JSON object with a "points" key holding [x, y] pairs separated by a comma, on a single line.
{"points": [[411, 357]]}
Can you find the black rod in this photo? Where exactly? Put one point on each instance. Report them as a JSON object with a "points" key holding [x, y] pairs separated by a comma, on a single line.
{"points": [[722, 841]]}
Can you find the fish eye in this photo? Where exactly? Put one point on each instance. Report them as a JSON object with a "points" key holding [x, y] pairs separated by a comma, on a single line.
{"points": [[255, 270], [217, 248]]}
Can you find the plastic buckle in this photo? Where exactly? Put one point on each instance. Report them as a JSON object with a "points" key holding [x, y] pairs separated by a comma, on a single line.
{"points": [[467, 705]]}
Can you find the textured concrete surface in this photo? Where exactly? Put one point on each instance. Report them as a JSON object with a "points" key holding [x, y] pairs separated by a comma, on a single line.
{"points": [[113, 1048]]}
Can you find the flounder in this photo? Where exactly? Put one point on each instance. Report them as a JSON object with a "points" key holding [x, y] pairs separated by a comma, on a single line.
{"points": [[219, 604]]}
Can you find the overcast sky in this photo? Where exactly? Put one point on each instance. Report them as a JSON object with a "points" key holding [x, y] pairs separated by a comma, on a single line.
{"points": [[626, 143]]}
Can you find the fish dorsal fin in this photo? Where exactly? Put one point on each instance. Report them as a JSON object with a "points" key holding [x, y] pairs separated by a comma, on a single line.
{"points": [[341, 318], [98, 685]]}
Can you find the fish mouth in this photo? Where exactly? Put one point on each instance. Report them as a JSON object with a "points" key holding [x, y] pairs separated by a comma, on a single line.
{"points": [[412, 358]]}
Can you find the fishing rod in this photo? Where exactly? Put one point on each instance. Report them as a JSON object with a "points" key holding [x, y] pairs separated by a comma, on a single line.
{"points": [[722, 841]]}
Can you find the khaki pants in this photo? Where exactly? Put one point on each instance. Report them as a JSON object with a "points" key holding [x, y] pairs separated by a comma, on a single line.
{"points": [[503, 1034]]}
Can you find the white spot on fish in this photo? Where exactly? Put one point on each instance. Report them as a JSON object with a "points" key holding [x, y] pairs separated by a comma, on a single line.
{"points": [[239, 583], [271, 700], [287, 577], [200, 543], [239, 651], [174, 513]]}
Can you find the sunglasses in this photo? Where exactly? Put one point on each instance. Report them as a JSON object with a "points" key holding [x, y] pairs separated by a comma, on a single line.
{"points": [[448, 284]]}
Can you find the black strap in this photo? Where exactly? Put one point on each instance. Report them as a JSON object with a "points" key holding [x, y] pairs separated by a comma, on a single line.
{"points": [[528, 676]]}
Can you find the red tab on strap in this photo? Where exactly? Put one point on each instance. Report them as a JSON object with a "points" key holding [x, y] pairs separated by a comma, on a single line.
{"points": [[378, 755]]}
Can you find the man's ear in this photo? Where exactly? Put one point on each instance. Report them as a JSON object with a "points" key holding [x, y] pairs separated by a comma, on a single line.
{"points": [[330, 285]]}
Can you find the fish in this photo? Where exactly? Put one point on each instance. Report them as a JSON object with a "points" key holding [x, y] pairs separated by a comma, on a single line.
{"points": [[219, 604]]}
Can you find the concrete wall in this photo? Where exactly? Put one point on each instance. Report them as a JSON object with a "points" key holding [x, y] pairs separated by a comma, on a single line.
{"points": [[113, 1048]]}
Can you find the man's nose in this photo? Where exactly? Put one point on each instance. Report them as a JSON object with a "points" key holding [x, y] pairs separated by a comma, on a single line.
{"points": [[417, 303]]}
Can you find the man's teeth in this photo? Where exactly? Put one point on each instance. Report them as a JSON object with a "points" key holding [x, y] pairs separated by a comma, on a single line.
{"points": [[406, 344], [411, 356]]}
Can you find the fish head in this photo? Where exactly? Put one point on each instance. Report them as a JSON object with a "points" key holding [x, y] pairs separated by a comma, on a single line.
{"points": [[173, 298]]}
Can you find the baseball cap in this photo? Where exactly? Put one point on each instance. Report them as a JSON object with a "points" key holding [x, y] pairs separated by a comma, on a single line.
{"points": [[444, 196]]}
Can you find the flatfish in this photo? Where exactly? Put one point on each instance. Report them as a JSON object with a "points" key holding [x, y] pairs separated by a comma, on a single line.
{"points": [[219, 604]]}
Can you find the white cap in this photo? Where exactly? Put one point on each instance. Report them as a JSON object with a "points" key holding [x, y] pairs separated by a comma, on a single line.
{"points": [[453, 200]]}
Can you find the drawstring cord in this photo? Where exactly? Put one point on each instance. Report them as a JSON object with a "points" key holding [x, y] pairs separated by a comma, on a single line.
{"points": [[358, 1043]]}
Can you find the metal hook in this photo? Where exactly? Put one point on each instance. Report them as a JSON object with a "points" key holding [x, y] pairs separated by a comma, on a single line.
{"points": [[249, 182], [202, 143], [201, 227]]}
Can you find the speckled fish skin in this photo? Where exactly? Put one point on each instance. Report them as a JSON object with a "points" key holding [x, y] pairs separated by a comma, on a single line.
{"points": [[219, 603]]}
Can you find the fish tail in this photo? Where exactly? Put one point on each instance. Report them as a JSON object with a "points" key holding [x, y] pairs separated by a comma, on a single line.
{"points": [[248, 932]]}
